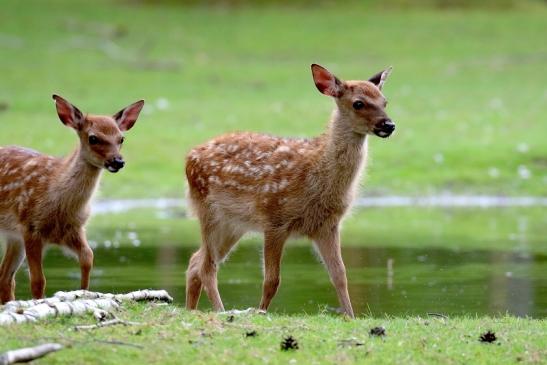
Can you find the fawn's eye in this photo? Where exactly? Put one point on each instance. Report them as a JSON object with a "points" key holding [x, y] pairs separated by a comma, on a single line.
{"points": [[93, 140], [122, 140], [358, 105]]}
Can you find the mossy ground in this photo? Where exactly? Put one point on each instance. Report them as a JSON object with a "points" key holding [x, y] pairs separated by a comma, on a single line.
{"points": [[172, 335]]}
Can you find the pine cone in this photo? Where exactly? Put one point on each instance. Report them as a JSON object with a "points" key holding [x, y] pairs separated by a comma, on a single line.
{"points": [[488, 337], [289, 343]]}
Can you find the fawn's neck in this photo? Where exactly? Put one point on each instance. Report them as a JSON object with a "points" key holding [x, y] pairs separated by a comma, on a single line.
{"points": [[342, 157], [76, 182]]}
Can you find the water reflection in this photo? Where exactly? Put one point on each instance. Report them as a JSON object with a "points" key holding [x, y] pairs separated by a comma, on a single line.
{"points": [[394, 281]]}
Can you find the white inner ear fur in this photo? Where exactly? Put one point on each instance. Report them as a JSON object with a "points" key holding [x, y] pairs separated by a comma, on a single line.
{"points": [[384, 76]]}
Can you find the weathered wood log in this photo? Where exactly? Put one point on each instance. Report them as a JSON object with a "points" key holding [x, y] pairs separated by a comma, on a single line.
{"points": [[61, 296], [73, 303], [54, 309], [28, 354]]}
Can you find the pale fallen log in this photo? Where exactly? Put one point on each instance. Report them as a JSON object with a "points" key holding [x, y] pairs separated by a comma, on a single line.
{"points": [[137, 296], [54, 309], [28, 354], [61, 296], [73, 303]]}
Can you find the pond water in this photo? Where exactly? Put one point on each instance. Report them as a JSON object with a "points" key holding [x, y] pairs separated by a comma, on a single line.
{"points": [[392, 281]]}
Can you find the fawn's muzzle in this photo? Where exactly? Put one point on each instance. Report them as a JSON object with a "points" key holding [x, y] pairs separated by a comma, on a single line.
{"points": [[114, 165], [384, 128]]}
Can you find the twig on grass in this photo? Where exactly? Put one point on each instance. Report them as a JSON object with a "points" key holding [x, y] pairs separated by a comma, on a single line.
{"points": [[112, 322], [244, 311], [440, 315], [120, 343]]}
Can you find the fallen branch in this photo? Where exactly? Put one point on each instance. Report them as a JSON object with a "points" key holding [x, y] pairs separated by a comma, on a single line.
{"points": [[112, 322], [440, 315], [120, 343], [54, 309], [28, 354], [244, 311], [61, 296], [73, 303]]}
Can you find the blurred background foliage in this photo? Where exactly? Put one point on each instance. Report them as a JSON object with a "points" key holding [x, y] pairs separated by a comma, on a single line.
{"points": [[467, 93]]}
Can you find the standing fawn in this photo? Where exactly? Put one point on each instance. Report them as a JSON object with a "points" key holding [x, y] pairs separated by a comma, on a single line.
{"points": [[283, 186], [44, 199]]}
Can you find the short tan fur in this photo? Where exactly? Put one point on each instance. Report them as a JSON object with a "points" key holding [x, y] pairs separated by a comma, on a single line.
{"points": [[44, 199], [244, 182]]}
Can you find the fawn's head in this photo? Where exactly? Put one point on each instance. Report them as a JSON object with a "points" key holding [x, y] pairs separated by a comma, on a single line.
{"points": [[362, 102], [101, 136]]}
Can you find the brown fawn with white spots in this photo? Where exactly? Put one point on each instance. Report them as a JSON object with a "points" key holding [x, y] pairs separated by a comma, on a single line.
{"points": [[44, 199], [283, 186]]}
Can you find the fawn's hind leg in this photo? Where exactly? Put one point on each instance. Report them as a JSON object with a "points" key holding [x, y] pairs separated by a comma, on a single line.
{"points": [[12, 260], [193, 280], [218, 239]]}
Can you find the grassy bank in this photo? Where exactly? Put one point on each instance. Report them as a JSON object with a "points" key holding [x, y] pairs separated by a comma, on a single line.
{"points": [[171, 335], [466, 91]]}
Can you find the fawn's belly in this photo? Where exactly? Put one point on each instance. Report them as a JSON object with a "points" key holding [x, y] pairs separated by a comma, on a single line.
{"points": [[9, 235], [8, 223]]}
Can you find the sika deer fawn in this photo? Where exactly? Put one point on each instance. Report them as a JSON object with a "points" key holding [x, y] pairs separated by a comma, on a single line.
{"points": [[45, 199], [283, 186]]}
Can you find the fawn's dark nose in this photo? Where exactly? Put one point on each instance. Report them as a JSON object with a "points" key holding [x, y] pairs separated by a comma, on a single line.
{"points": [[384, 128], [116, 164]]}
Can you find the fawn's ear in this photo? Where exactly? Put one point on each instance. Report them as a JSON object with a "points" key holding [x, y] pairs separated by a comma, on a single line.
{"points": [[127, 117], [380, 78], [326, 82], [68, 113]]}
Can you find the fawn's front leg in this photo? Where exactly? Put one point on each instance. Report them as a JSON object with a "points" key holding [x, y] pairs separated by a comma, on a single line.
{"points": [[78, 244], [328, 244], [13, 257], [273, 251], [34, 248]]}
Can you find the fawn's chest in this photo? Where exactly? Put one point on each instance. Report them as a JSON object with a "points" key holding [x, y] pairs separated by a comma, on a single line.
{"points": [[59, 223]]}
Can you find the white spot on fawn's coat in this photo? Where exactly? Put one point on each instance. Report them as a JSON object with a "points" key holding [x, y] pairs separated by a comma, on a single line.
{"points": [[283, 149]]}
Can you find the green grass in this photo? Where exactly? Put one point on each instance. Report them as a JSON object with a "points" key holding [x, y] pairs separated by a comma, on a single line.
{"points": [[171, 335], [467, 91]]}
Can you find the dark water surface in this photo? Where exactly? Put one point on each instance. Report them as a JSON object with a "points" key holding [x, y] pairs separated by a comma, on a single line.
{"points": [[393, 281]]}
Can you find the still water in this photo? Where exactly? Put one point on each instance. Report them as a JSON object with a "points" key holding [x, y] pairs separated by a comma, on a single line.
{"points": [[392, 281]]}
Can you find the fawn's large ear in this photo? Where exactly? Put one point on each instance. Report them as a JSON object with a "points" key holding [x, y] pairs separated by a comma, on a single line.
{"points": [[326, 82], [127, 117], [380, 78], [68, 113]]}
